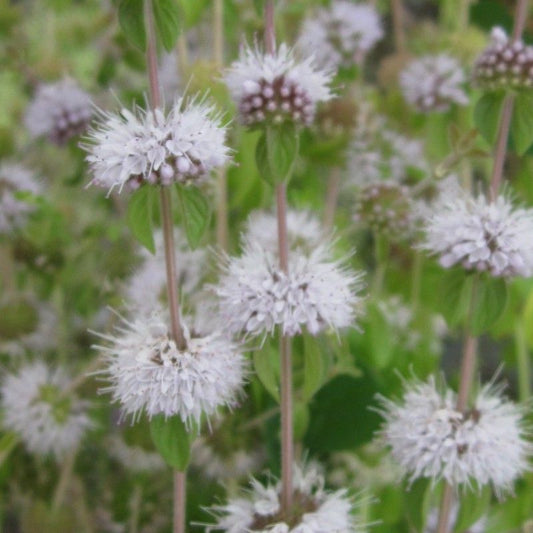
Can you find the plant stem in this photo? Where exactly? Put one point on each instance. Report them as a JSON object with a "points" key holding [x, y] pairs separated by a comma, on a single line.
{"points": [[523, 362], [287, 441], [468, 365], [270, 31], [170, 257], [65, 478], [135, 508], [398, 24], [507, 111], [222, 182], [332, 195], [416, 278], [180, 494]]}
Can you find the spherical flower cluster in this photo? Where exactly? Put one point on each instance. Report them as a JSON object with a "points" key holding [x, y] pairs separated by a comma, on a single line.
{"points": [[481, 235], [304, 230], [385, 207], [59, 111], [315, 509], [181, 146], [504, 63], [430, 438], [317, 293], [342, 34], [149, 373], [433, 83], [147, 286], [14, 211], [276, 88], [37, 406]]}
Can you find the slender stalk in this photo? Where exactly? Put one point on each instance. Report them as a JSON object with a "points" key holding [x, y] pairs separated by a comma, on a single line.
{"points": [[287, 441], [180, 494], [507, 112], [332, 195], [270, 30], [170, 257], [523, 362], [65, 477], [398, 24], [222, 182], [135, 508], [468, 365]]}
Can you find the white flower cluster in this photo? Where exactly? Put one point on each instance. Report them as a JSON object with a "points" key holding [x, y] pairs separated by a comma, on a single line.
{"points": [[481, 235], [433, 83], [318, 511], [304, 230], [341, 34], [38, 408], [59, 111], [276, 87], [430, 438], [147, 286], [182, 146], [149, 373], [504, 63], [14, 211], [317, 293]]}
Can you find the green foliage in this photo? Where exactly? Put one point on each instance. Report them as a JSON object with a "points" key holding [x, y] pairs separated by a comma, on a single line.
{"points": [[172, 440], [473, 506], [420, 498], [139, 216], [522, 122], [167, 21], [266, 366], [131, 20], [314, 371], [487, 114], [192, 11], [490, 298], [276, 153], [195, 213], [455, 292]]}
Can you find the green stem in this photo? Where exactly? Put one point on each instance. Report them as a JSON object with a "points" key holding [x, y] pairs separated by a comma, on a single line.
{"points": [[416, 279]]}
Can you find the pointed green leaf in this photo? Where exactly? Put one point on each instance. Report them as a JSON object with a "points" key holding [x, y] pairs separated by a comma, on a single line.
{"points": [[276, 153], [131, 20], [455, 294], [522, 122], [489, 303], [381, 341], [172, 440], [266, 366], [313, 367], [473, 505], [487, 115], [167, 21], [300, 420], [139, 217], [195, 212]]}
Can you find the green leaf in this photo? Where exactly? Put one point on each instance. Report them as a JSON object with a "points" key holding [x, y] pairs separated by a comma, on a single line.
{"points": [[195, 212], [7, 445], [380, 338], [139, 217], [131, 20], [172, 440], [487, 115], [420, 497], [167, 21], [489, 302], [276, 153], [313, 367], [474, 504], [266, 366], [522, 122], [192, 11], [455, 291], [300, 420]]}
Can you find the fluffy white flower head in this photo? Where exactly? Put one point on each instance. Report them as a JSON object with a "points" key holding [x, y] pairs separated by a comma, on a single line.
{"points": [[317, 293], [481, 235], [433, 83], [276, 87], [341, 34], [318, 511], [15, 178], [36, 407], [59, 111], [149, 373], [134, 148], [430, 438], [304, 230]]}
